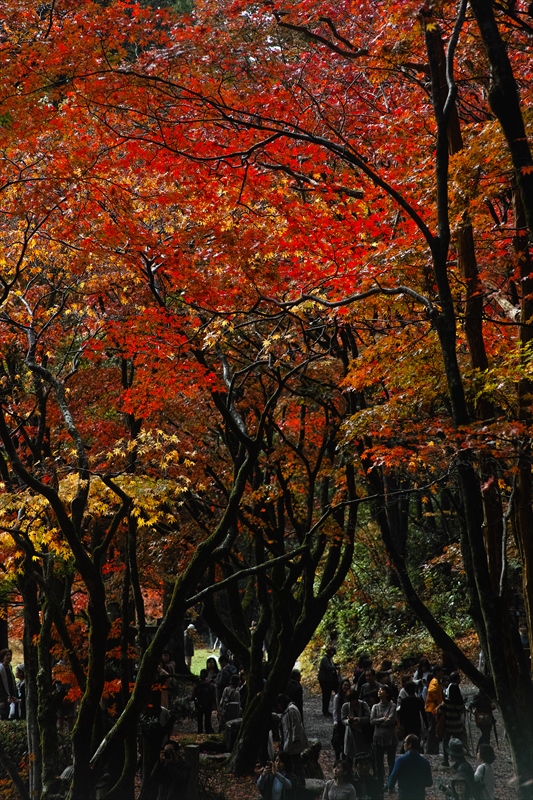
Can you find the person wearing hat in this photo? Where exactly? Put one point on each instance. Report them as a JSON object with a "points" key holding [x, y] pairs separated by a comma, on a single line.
{"points": [[457, 751], [366, 786], [411, 771], [328, 678], [460, 789]]}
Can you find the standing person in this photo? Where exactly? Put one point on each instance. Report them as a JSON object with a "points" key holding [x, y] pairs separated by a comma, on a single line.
{"points": [[9, 698], [224, 676], [411, 771], [328, 678], [229, 706], [276, 782], [369, 691], [365, 663], [340, 788], [434, 699], [422, 677], [188, 645], [212, 668], [166, 669], [362, 665], [205, 701], [294, 737], [411, 715], [383, 720], [295, 692], [454, 711], [355, 716], [484, 774], [337, 739], [460, 765], [20, 675], [481, 707]]}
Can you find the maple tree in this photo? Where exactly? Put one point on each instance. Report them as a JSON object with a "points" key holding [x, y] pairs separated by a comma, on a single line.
{"points": [[233, 236]]}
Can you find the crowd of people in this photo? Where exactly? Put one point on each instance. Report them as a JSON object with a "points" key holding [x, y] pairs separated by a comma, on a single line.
{"points": [[382, 729], [374, 717]]}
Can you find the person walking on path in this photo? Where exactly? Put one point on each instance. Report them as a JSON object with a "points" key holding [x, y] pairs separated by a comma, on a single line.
{"points": [[340, 788], [412, 772], [328, 678], [383, 720]]}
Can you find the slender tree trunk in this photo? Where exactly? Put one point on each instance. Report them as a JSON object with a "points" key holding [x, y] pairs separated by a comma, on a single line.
{"points": [[32, 625], [47, 710]]}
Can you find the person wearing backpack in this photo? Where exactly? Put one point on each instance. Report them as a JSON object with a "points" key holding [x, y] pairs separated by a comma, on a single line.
{"points": [[205, 701]]}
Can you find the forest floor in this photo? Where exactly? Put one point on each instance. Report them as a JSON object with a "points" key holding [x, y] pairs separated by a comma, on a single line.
{"points": [[320, 727]]}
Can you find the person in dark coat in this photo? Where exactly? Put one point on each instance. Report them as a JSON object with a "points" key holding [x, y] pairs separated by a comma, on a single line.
{"points": [[411, 714], [205, 701], [328, 678], [224, 676], [8, 689]]}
